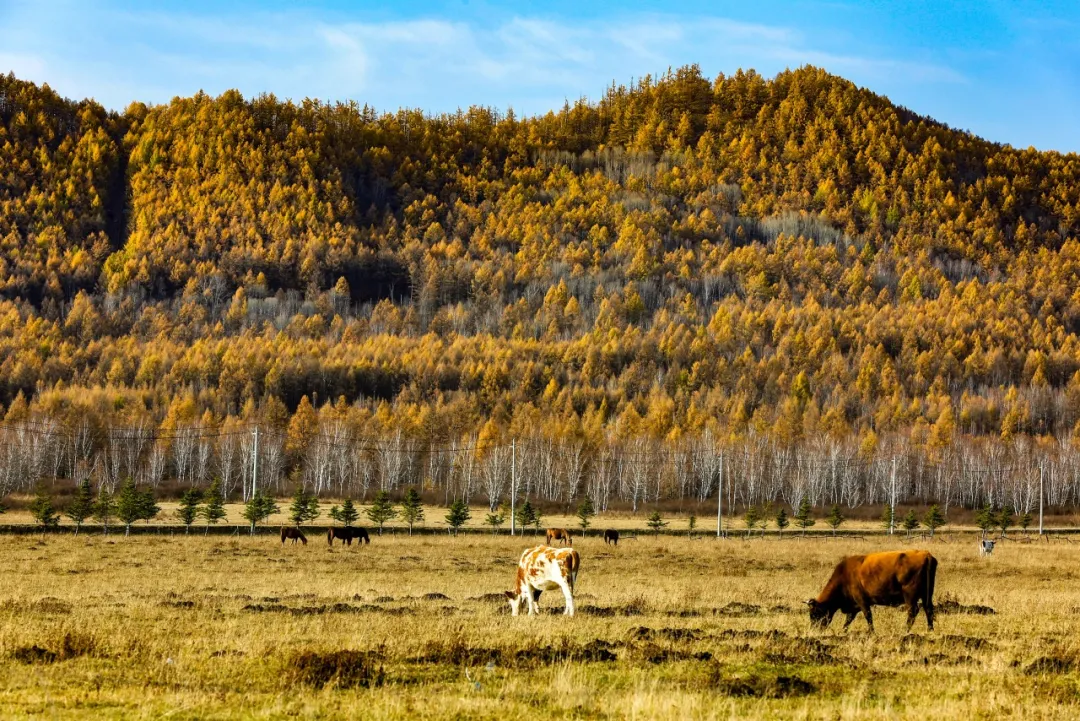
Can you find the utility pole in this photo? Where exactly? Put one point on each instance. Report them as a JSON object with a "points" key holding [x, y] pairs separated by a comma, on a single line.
{"points": [[513, 485], [892, 505], [1040, 500], [255, 463], [720, 497]]}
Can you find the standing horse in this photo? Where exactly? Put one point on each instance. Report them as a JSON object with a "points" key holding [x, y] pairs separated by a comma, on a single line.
{"points": [[559, 534], [294, 533], [611, 536], [346, 534]]}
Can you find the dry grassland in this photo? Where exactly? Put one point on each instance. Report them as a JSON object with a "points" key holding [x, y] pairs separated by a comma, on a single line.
{"points": [[216, 627]]}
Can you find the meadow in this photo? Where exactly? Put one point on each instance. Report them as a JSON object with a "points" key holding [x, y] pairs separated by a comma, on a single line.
{"points": [[221, 627]]}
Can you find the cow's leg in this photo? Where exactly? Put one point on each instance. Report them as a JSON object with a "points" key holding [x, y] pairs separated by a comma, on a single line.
{"points": [[569, 595], [869, 617], [912, 613], [534, 606]]}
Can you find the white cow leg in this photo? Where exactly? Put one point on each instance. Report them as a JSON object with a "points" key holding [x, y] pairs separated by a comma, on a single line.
{"points": [[568, 594]]}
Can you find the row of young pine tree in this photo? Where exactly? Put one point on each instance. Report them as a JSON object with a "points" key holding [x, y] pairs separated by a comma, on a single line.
{"points": [[133, 503]]}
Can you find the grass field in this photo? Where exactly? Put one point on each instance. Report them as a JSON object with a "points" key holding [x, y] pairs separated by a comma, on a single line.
{"points": [[194, 627]]}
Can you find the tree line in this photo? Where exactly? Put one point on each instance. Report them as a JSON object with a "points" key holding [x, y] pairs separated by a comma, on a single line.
{"points": [[790, 270]]}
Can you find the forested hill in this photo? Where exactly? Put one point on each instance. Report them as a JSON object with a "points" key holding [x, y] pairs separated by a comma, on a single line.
{"points": [[794, 258]]}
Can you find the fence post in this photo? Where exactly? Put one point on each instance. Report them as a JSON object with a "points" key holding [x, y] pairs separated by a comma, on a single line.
{"points": [[1040, 499]]}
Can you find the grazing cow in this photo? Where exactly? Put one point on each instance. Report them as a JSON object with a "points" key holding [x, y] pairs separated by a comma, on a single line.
{"points": [[986, 547], [346, 534], [880, 579], [559, 534], [294, 533], [611, 536], [544, 568]]}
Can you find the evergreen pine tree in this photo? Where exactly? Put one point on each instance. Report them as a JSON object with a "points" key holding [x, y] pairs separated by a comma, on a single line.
{"points": [[258, 508], [148, 507], [933, 519], [458, 515], [656, 522], [82, 505], [752, 516], [104, 509], [304, 507], [495, 520], [782, 521], [412, 508], [214, 510], [347, 514], [835, 518], [41, 508], [1025, 521], [911, 521], [525, 516], [804, 517], [1005, 519], [888, 517], [985, 519], [585, 512], [129, 505], [382, 510], [188, 510]]}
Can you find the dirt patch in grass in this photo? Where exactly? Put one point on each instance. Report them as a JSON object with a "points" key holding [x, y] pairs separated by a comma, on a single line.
{"points": [[730, 633], [736, 609], [951, 606], [644, 633], [457, 652], [490, 598], [178, 604], [46, 604], [322, 609], [760, 685], [435, 597], [1050, 665], [800, 651], [71, 645], [338, 669]]}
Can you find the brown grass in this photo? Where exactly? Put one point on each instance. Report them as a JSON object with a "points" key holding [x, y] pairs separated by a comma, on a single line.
{"points": [[102, 627]]}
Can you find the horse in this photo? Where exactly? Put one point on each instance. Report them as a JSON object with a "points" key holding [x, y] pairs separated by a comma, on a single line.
{"points": [[346, 534], [559, 534], [293, 533], [611, 536]]}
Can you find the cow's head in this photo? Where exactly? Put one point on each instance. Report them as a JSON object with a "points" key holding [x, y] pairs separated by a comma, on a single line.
{"points": [[515, 602], [819, 614]]}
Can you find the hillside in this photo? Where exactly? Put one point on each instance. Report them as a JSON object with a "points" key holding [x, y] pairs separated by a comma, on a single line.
{"points": [[793, 262]]}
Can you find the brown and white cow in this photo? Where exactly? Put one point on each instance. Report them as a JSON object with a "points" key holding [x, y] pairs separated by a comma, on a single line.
{"points": [[894, 578], [542, 569], [559, 534]]}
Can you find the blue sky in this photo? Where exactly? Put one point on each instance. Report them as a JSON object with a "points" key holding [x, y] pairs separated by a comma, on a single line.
{"points": [[1008, 71]]}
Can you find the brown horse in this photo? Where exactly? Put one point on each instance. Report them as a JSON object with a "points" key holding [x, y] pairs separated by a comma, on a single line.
{"points": [[294, 533], [346, 534], [611, 536], [559, 534]]}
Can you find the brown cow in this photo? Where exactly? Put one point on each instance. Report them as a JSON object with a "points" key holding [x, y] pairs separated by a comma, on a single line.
{"points": [[894, 578], [295, 534], [611, 536], [559, 534]]}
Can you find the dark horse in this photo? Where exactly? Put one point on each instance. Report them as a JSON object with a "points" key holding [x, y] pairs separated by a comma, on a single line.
{"points": [[293, 533], [346, 534], [611, 536]]}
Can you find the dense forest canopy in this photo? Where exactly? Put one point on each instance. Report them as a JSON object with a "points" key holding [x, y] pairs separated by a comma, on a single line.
{"points": [[791, 261]]}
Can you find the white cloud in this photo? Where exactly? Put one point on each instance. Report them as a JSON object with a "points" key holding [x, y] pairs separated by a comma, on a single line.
{"points": [[528, 62]]}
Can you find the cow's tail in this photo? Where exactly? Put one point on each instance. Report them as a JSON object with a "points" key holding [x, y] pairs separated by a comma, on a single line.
{"points": [[573, 563]]}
